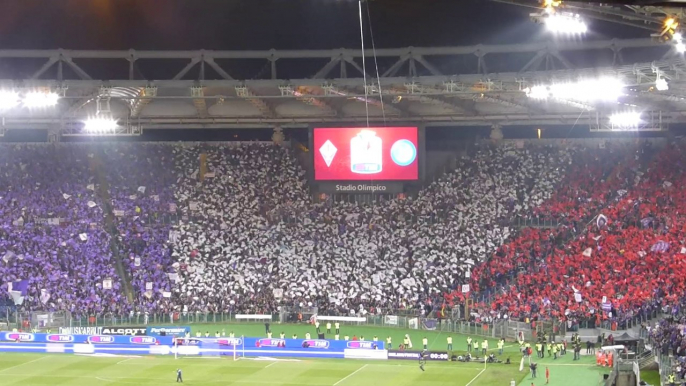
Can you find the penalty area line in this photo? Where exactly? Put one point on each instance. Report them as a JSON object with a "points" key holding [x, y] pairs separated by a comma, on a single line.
{"points": [[350, 375], [477, 376]]}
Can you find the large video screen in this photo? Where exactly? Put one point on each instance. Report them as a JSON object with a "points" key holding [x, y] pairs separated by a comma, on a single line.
{"points": [[366, 153]]}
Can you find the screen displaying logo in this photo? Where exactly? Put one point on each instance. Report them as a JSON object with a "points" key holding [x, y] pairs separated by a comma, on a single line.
{"points": [[143, 340], [357, 154], [59, 338], [101, 339], [20, 336]]}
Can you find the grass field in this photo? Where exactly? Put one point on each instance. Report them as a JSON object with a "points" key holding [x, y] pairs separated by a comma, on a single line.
{"points": [[61, 369]]}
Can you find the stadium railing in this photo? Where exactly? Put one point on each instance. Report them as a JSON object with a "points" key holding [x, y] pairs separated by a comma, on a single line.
{"points": [[500, 328]]}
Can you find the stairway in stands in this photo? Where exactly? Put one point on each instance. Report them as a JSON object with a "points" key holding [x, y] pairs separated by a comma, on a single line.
{"points": [[110, 225]]}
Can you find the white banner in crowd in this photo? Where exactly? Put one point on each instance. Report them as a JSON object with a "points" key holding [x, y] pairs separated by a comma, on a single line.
{"points": [[107, 284], [148, 285], [391, 320], [44, 296], [278, 293]]}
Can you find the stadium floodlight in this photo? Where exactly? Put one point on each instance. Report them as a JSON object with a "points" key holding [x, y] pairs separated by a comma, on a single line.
{"points": [[589, 90], [8, 99], [661, 84], [100, 125], [625, 120], [40, 99], [566, 23]]}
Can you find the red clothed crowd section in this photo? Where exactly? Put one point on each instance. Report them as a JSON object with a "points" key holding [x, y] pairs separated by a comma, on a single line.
{"points": [[535, 275]]}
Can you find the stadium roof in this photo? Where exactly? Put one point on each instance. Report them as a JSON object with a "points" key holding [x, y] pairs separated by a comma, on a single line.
{"points": [[455, 86]]}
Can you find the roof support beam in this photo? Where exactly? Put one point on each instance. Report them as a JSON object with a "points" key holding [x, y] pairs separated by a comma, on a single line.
{"points": [[185, 70]]}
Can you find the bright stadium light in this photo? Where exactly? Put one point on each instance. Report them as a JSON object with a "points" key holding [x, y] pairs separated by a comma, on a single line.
{"points": [[566, 23], [590, 90], [8, 99], [625, 120], [661, 84], [40, 99], [100, 125]]}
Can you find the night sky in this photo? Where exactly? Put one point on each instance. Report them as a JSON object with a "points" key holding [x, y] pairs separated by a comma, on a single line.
{"points": [[266, 24]]}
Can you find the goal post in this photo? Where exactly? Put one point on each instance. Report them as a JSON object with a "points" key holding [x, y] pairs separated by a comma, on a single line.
{"points": [[209, 348]]}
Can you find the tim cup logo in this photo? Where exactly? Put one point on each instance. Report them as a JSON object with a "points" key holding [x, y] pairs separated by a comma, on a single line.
{"points": [[143, 340], [22, 337], [361, 344], [101, 339], [271, 343], [316, 343], [230, 341], [60, 338]]}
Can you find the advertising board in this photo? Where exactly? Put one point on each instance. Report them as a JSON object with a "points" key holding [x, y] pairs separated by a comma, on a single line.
{"points": [[168, 330], [414, 355], [123, 330]]}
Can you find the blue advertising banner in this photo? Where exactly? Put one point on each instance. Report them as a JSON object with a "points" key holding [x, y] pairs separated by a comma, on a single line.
{"points": [[164, 345], [99, 339], [263, 343], [168, 330]]}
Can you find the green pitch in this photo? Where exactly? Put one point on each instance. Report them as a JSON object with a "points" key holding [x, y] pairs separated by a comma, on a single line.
{"points": [[62, 369]]}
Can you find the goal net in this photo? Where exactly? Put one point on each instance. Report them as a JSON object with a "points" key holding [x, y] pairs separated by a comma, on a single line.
{"points": [[209, 348]]}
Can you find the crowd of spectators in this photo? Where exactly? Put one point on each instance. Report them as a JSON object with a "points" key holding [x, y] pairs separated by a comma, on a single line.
{"points": [[626, 262], [233, 228], [51, 230], [255, 229]]}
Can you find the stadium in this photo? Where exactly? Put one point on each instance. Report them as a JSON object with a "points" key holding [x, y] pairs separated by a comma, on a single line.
{"points": [[472, 193]]}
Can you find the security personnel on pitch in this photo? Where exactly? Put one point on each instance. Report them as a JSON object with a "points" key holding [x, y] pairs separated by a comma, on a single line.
{"points": [[389, 342], [469, 344], [450, 343], [425, 343], [328, 327], [338, 328], [501, 344]]}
